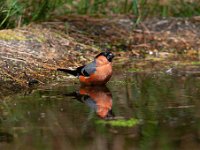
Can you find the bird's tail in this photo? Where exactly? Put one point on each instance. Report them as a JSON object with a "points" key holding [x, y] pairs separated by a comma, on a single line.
{"points": [[72, 72], [75, 95]]}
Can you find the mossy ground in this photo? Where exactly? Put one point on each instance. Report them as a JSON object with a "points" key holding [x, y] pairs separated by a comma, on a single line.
{"points": [[9, 34], [34, 52]]}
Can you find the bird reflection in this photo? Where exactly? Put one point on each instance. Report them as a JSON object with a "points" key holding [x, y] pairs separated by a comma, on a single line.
{"points": [[98, 98]]}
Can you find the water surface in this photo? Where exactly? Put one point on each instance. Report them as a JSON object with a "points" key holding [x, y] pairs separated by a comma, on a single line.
{"points": [[134, 111]]}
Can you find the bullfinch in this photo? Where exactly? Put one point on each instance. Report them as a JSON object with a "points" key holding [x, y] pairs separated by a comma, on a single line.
{"points": [[98, 72]]}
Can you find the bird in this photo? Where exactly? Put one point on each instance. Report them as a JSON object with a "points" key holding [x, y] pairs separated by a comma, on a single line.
{"points": [[98, 72], [97, 98]]}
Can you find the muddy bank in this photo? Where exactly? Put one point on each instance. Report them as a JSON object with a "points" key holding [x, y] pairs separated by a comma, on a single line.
{"points": [[32, 53]]}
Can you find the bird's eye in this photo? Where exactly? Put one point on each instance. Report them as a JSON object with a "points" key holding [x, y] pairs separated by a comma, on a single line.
{"points": [[110, 54]]}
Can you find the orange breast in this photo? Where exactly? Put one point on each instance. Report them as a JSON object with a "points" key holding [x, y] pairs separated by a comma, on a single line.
{"points": [[101, 76]]}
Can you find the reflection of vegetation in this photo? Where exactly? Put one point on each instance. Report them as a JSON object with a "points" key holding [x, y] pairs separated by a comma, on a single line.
{"points": [[155, 100], [29, 108], [119, 123], [17, 12]]}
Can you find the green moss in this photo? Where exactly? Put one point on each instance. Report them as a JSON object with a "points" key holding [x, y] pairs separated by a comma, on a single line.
{"points": [[195, 63], [41, 38], [119, 123], [135, 70], [37, 33], [10, 35]]}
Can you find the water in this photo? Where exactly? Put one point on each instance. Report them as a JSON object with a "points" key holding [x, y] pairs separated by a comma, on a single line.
{"points": [[134, 111]]}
